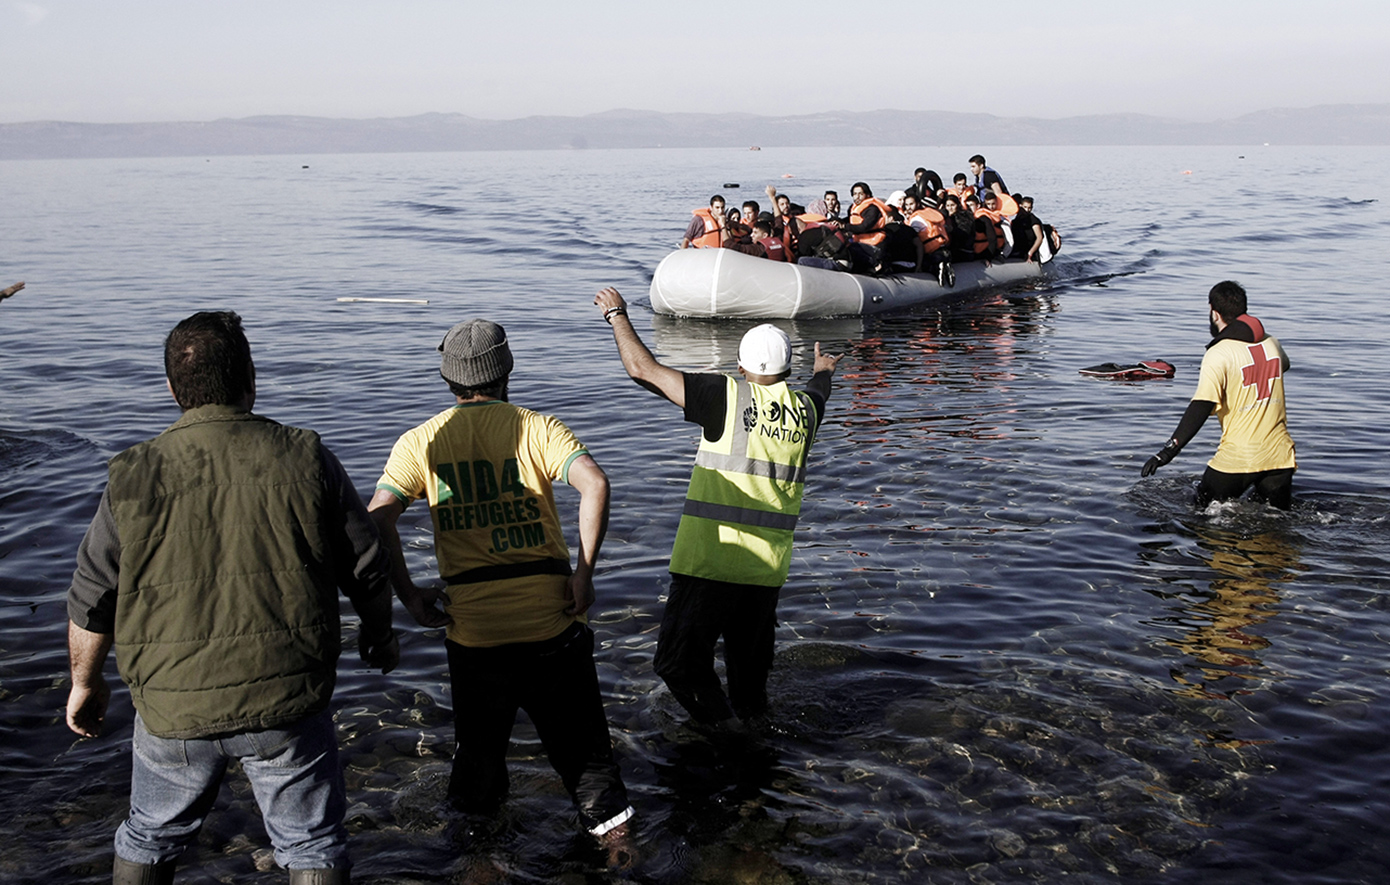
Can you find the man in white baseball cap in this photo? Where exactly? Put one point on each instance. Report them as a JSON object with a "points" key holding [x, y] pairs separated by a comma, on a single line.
{"points": [[734, 544]]}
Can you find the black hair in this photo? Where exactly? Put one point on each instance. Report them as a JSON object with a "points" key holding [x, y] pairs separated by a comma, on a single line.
{"points": [[1227, 298], [720, 198], [754, 204], [978, 158], [831, 194], [207, 360], [492, 390], [860, 184], [959, 176]]}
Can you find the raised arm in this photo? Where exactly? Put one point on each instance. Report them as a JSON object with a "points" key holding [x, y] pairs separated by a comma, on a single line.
{"points": [[641, 366]]}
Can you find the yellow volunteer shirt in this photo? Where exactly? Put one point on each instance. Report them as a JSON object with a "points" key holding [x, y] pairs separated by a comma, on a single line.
{"points": [[486, 470], [1246, 381]]}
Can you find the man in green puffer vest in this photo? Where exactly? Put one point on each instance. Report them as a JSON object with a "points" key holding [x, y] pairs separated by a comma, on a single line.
{"points": [[733, 548], [213, 565]]}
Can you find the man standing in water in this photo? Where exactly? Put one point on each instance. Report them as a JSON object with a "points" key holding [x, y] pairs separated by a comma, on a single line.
{"points": [[1242, 380], [733, 547], [517, 636], [213, 564]]}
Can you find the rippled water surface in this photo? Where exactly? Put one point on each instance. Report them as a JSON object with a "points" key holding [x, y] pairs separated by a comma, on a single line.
{"points": [[1002, 656]]}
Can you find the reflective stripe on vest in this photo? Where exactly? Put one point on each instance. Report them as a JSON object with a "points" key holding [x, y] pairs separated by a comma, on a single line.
{"points": [[746, 487]]}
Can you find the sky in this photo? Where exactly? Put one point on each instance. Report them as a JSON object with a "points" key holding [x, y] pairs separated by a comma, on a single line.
{"points": [[120, 61]]}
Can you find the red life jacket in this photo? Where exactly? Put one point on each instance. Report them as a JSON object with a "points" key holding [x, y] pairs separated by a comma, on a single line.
{"points": [[1256, 327], [776, 250]]}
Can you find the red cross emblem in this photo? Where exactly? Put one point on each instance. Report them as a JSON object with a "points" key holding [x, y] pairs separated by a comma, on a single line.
{"points": [[1262, 372]]}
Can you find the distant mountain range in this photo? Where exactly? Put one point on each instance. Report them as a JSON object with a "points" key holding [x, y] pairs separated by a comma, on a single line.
{"points": [[1367, 124]]}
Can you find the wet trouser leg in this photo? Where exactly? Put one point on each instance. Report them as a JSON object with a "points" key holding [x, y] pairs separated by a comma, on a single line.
{"points": [[556, 683], [1273, 487], [748, 644], [564, 703], [697, 613], [293, 772], [484, 713], [690, 627]]}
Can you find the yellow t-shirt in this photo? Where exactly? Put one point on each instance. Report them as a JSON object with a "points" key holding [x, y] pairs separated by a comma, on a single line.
{"points": [[486, 470], [1246, 381]]}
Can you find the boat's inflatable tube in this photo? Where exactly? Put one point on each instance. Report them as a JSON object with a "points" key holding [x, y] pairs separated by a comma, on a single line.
{"points": [[725, 283]]}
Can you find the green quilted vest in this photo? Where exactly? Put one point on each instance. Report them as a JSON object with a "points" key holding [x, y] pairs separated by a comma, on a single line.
{"points": [[227, 609]]}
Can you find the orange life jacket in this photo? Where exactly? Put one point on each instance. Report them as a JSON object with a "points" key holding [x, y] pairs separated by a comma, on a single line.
{"points": [[1007, 207], [982, 238], [876, 235], [961, 193], [710, 238], [931, 228]]}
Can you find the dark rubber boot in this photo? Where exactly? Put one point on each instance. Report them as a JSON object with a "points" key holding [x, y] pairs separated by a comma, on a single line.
{"points": [[123, 872], [320, 877]]}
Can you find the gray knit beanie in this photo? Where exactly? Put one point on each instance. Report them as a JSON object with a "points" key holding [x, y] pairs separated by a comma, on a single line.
{"points": [[475, 354]]}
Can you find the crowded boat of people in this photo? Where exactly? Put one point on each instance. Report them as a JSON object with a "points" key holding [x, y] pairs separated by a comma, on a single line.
{"points": [[925, 228]]}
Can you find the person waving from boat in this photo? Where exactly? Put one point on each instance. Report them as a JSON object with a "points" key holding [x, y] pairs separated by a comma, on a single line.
{"points": [[733, 547], [1242, 381]]}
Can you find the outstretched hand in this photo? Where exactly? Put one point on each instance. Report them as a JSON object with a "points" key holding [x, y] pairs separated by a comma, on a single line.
{"points": [[1165, 454], [825, 362], [609, 298]]}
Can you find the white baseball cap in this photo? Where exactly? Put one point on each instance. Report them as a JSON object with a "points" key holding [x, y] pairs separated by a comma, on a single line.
{"points": [[765, 350]]}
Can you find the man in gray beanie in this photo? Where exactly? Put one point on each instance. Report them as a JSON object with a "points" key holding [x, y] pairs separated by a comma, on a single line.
{"points": [[514, 607]]}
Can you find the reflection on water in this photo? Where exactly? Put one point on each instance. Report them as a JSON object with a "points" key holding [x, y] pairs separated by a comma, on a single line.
{"points": [[1218, 624], [1002, 657]]}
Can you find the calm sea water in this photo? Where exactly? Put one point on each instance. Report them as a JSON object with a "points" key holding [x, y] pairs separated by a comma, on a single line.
{"points": [[1002, 656]]}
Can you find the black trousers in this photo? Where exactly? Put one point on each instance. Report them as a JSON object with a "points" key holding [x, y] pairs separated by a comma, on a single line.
{"points": [[556, 683], [698, 612], [1273, 487]]}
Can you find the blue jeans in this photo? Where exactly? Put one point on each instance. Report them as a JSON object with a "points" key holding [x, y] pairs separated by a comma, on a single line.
{"points": [[293, 772]]}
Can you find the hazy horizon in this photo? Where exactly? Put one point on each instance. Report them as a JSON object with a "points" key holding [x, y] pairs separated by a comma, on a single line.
{"points": [[86, 61]]}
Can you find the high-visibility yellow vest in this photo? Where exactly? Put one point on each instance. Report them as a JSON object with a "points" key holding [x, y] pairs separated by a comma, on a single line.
{"points": [[745, 490]]}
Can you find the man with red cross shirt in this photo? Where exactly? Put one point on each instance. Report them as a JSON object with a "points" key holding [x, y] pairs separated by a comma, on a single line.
{"points": [[1242, 380]]}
